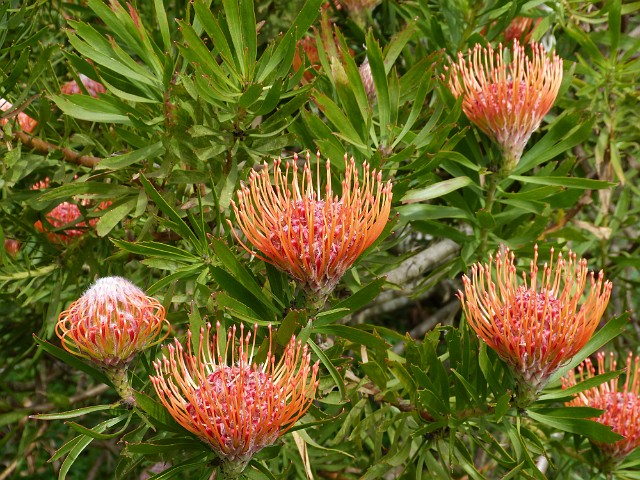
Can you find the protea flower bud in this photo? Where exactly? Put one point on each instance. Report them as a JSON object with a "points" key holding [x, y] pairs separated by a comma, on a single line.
{"points": [[92, 87], [11, 246], [535, 327], [231, 403], [360, 10], [112, 322], [621, 403], [313, 237], [367, 80], [520, 29], [65, 213], [507, 101], [27, 124]]}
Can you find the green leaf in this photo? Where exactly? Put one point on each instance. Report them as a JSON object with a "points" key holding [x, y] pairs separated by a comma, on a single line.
{"points": [[569, 182], [580, 426], [612, 329], [157, 249], [85, 188], [351, 304], [580, 387], [113, 216], [337, 378], [353, 334], [565, 133], [436, 190], [72, 360], [181, 228], [192, 463], [239, 271], [97, 434], [80, 444], [157, 411], [120, 161], [72, 413], [285, 48], [374, 54]]}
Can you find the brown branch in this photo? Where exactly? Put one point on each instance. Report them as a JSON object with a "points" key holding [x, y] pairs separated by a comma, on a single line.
{"points": [[45, 148]]}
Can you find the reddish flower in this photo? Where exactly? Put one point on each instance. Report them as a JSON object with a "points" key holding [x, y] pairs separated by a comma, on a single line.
{"points": [[92, 87], [535, 327], [27, 124], [110, 324], [63, 214], [310, 50], [507, 101], [520, 29], [313, 237], [11, 246], [234, 405], [621, 404]]}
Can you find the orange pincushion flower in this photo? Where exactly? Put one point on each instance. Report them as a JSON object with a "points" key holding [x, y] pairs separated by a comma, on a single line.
{"points": [[621, 404], [112, 322], [507, 101], [313, 237], [535, 327], [65, 213], [92, 87], [236, 406], [27, 124]]}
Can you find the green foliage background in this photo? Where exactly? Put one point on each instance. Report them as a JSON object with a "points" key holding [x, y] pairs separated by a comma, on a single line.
{"points": [[200, 92]]}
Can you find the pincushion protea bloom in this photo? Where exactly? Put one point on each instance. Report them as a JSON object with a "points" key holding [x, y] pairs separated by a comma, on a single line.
{"points": [[621, 403], [237, 407], [507, 101], [313, 237], [534, 326], [27, 124], [65, 213], [110, 324]]}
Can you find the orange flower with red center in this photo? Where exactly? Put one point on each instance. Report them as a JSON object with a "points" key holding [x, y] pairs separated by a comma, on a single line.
{"points": [[313, 237], [233, 404], [27, 124], [621, 404], [112, 322], [535, 327], [92, 87], [507, 101], [63, 214]]}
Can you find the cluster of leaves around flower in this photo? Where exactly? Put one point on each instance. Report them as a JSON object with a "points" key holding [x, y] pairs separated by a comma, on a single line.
{"points": [[190, 106]]}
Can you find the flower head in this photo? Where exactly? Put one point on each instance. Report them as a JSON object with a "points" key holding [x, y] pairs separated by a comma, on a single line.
{"points": [[11, 246], [112, 322], [233, 404], [520, 29], [507, 101], [92, 87], [621, 403], [313, 237], [534, 326], [26, 123], [65, 213]]}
